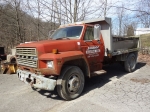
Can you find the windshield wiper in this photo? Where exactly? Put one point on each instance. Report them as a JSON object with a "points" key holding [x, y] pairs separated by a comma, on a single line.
{"points": [[63, 38]]}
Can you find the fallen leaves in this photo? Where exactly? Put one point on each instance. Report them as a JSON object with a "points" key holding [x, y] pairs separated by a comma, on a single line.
{"points": [[144, 58]]}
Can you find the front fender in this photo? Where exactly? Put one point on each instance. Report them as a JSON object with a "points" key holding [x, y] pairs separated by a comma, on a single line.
{"points": [[62, 57]]}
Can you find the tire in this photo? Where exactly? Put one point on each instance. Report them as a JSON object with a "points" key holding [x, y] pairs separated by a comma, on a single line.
{"points": [[70, 83], [130, 62]]}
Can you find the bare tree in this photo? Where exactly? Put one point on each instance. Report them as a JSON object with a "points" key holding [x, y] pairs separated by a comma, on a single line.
{"points": [[74, 10], [144, 12], [17, 9], [13, 22], [104, 7], [37, 10], [130, 30], [120, 15]]}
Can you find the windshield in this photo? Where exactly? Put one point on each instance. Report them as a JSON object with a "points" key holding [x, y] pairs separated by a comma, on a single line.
{"points": [[72, 32]]}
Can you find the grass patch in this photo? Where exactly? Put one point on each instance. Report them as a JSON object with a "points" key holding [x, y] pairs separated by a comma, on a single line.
{"points": [[145, 40]]}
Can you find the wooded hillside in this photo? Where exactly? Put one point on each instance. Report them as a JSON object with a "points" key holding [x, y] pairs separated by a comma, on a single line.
{"points": [[32, 20], [16, 27]]}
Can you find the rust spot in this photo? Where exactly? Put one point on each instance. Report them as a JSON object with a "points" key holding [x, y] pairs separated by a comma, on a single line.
{"points": [[142, 81], [47, 71]]}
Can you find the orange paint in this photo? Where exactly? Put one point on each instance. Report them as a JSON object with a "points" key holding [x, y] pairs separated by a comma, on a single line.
{"points": [[91, 51]]}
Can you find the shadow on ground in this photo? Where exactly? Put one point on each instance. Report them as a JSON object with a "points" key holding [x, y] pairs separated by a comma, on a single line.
{"points": [[97, 81], [114, 70]]}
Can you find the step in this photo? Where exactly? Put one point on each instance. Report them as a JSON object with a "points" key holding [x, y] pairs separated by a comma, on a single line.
{"points": [[99, 72]]}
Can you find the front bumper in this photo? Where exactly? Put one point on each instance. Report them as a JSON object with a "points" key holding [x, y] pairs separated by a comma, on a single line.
{"points": [[36, 81]]}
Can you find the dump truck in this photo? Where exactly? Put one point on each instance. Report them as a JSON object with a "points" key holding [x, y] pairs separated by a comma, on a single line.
{"points": [[72, 53]]}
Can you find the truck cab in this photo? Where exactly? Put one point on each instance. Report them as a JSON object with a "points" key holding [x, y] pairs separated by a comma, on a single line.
{"points": [[73, 52]]}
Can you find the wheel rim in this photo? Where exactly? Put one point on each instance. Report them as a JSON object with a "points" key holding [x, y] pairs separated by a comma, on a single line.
{"points": [[73, 83], [132, 62]]}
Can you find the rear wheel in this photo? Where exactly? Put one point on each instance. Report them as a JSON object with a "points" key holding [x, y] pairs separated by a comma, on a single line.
{"points": [[130, 62], [70, 84]]}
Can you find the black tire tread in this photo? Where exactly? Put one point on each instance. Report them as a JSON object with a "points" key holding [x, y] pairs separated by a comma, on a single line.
{"points": [[61, 80], [126, 65]]}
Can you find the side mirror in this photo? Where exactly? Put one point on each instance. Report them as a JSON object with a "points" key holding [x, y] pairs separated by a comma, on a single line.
{"points": [[97, 30]]}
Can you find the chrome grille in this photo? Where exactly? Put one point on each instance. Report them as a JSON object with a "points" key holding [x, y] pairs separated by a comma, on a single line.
{"points": [[26, 51], [27, 57]]}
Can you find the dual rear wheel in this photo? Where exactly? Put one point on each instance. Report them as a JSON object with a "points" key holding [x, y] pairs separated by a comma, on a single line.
{"points": [[130, 62]]}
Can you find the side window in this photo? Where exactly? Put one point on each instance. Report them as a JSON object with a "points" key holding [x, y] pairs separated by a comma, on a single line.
{"points": [[89, 33]]}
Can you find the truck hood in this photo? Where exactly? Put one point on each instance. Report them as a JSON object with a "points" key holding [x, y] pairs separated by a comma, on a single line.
{"points": [[46, 46]]}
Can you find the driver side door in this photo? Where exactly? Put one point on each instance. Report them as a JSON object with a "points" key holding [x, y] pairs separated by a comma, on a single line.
{"points": [[93, 49]]}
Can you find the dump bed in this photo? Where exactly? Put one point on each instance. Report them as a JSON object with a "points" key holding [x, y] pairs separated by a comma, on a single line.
{"points": [[124, 44], [114, 45]]}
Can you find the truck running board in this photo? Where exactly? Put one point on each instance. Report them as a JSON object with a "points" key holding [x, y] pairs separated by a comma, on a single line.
{"points": [[99, 72]]}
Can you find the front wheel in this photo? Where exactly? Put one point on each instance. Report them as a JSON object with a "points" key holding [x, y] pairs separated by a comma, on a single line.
{"points": [[70, 83], [130, 62]]}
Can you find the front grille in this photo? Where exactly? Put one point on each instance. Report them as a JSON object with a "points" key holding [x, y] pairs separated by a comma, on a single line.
{"points": [[26, 51], [27, 57]]}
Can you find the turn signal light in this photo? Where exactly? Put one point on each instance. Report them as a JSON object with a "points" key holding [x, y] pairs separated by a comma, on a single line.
{"points": [[55, 51]]}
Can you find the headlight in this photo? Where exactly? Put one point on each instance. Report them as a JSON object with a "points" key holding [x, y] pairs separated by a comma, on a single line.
{"points": [[50, 64]]}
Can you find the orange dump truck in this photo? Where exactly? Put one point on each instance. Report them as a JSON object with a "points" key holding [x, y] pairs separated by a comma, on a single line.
{"points": [[73, 52]]}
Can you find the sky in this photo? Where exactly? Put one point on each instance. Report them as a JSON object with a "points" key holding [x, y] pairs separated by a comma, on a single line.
{"points": [[126, 3], [112, 12], [128, 14]]}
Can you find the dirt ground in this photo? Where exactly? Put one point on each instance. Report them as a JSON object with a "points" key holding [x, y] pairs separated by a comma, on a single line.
{"points": [[144, 58]]}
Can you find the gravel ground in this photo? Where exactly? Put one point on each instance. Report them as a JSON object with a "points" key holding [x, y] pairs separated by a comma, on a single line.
{"points": [[115, 91]]}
